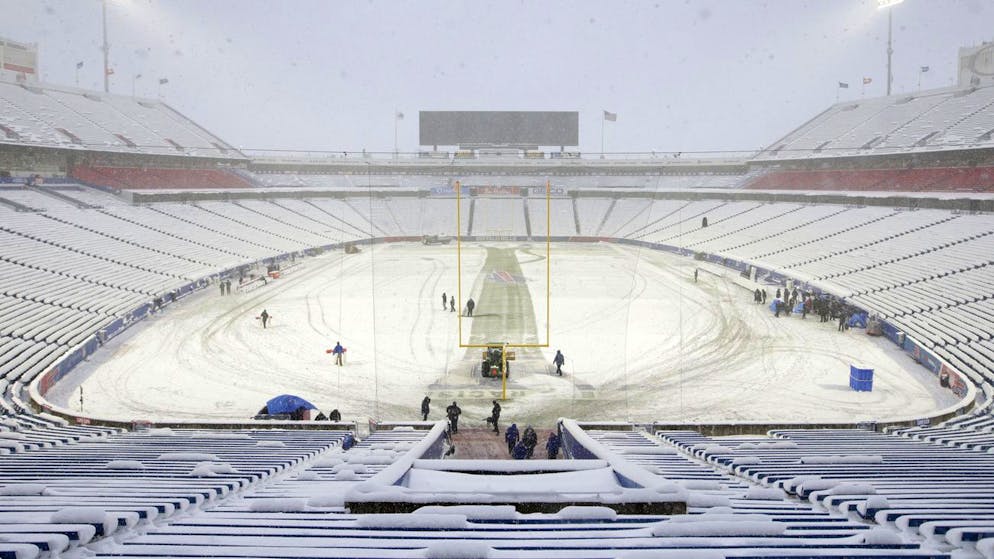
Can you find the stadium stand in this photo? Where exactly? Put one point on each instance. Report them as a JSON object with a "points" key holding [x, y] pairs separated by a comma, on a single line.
{"points": [[126, 178], [936, 179], [929, 121], [53, 116]]}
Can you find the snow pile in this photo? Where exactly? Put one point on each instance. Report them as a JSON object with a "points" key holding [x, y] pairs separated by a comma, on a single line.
{"points": [[586, 513], [718, 449], [327, 462], [767, 445], [852, 489], [986, 547], [270, 443], [413, 521], [188, 456], [125, 465], [308, 476], [881, 536], [746, 461], [325, 501], [85, 515], [12, 435], [875, 502], [403, 428], [346, 475], [765, 494], [356, 468], [843, 459], [22, 550], [371, 459], [473, 512], [457, 549], [278, 505], [15, 447], [793, 483], [22, 489], [719, 524], [212, 469], [706, 500]]}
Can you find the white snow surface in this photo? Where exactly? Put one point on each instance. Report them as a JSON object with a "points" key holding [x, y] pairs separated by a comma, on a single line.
{"points": [[643, 342]]}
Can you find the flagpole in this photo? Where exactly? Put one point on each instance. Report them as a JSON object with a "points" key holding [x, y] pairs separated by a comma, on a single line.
{"points": [[603, 119], [395, 119]]}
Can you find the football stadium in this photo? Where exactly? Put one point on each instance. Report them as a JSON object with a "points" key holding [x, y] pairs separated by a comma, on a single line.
{"points": [[214, 351]]}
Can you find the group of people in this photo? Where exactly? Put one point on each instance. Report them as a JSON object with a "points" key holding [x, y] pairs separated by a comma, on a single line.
{"points": [[225, 286], [522, 448], [449, 302], [333, 415], [827, 308]]}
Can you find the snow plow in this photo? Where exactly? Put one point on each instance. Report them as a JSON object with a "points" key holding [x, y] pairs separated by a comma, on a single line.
{"points": [[495, 361]]}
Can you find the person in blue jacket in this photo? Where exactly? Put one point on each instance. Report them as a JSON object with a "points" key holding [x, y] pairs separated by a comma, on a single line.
{"points": [[511, 436], [520, 451], [339, 351], [552, 445]]}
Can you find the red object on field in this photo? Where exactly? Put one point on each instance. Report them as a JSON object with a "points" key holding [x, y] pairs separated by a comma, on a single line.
{"points": [[328, 350]]}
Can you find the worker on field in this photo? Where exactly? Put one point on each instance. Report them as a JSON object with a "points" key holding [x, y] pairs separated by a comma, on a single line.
{"points": [[453, 412], [444, 301], [424, 408], [470, 305], [265, 317], [339, 352], [452, 303], [511, 436], [494, 416], [559, 360]]}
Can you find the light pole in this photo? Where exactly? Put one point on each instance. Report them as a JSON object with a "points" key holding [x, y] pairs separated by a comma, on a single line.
{"points": [[103, 4], [889, 6]]}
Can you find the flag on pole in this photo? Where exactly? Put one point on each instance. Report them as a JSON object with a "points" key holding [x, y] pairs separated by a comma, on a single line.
{"points": [[867, 81], [400, 115], [163, 81], [138, 76], [612, 117], [110, 71], [843, 85], [79, 65], [924, 69]]}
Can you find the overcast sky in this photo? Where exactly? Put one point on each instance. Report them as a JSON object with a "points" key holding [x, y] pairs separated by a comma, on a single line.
{"points": [[690, 75]]}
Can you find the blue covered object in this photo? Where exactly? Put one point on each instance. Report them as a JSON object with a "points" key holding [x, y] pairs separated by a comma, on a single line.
{"points": [[860, 379], [799, 308], [288, 403], [773, 305], [858, 320]]}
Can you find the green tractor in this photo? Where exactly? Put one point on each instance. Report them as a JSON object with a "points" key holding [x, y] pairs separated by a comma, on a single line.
{"points": [[494, 361]]}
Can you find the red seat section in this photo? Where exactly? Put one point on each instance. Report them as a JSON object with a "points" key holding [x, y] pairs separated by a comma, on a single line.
{"points": [[151, 178], [935, 179]]}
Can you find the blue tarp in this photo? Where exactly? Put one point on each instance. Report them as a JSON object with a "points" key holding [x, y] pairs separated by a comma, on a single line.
{"points": [[288, 403], [858, 320]]}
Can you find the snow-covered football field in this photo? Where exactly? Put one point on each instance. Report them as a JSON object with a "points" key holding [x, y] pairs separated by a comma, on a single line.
{"points": [[643, 343]]}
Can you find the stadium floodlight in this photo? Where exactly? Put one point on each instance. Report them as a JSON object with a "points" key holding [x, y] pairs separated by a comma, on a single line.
{"points": [[883, 4]]}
